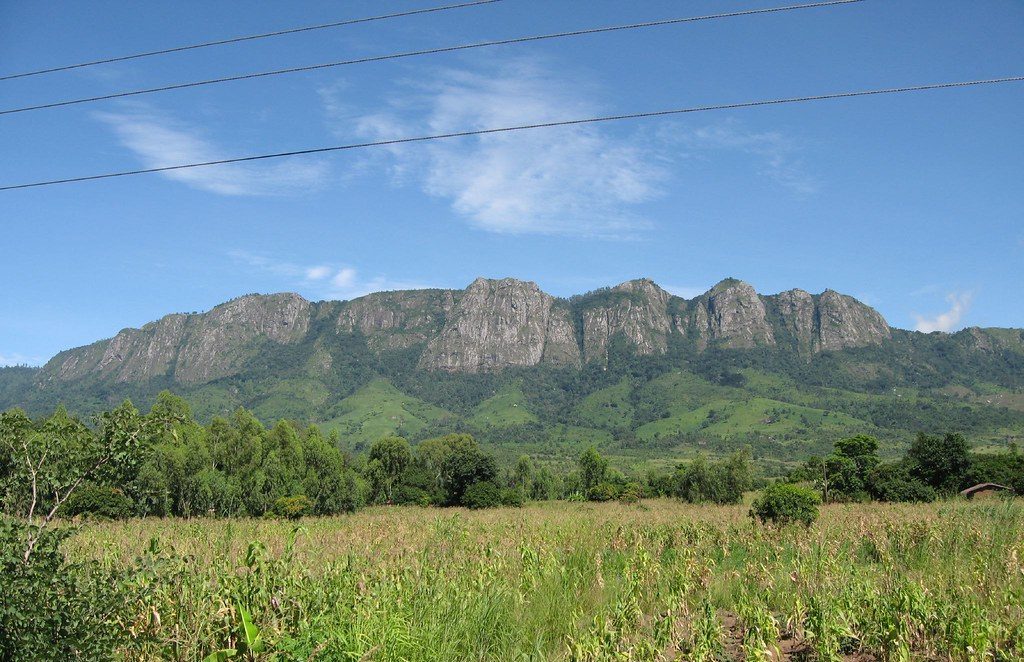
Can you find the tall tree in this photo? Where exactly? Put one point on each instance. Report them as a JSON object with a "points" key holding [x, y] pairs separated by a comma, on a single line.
{"points": [[941, 462], [593, 468], [389, 457]]}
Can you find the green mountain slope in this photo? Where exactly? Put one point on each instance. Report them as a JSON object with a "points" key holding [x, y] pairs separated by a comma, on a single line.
{"points": [[647, 376], [378, 410], [506, 408]]}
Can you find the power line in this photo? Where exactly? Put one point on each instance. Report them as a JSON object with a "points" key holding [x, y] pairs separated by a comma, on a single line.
{"points": [[524, 127], [252, 37], [430, 51]]}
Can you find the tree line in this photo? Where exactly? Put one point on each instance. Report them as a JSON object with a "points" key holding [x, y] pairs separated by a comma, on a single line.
{"points": [[165, 463], [934, 466]]}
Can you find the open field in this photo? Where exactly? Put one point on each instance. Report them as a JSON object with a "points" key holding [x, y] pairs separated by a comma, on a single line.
{"points": [[581, 581]]}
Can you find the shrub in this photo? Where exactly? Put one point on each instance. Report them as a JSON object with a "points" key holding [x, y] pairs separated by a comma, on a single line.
{"points": [[893, 482], [99, 501], [293, 507], [602, 492], [51, 609], [411, 495], [785, 503], [484, 494], [631, 493], [513, 497]]}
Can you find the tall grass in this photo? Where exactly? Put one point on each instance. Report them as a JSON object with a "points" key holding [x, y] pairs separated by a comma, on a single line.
{"points": [[565, 581]]}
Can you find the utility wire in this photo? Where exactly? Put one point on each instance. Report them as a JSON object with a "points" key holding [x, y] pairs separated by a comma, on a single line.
{"points": [[431, 51], [524, 127], [252, 37]]}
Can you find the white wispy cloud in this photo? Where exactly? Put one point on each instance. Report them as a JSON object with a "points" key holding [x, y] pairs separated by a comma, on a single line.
{"points": [[159, 140], [579, 180], [959, 304], [322, 280], [318, 272], [777, 155], [14, 358]]}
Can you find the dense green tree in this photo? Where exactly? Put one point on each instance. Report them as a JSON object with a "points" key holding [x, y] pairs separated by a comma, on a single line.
{"points": [[941, 462], [389, 457], [483, 494], [862, 449], [723, 482], [1002, 468], [893, 482], [464, 465], [328, 481], [593, 468], [523, 474]]}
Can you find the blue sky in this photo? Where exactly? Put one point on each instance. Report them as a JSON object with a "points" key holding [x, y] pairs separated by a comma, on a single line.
{"points": [[912, 203]]}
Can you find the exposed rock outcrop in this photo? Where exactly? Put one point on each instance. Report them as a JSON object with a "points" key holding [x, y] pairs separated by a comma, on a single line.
{"points": [[638, 309], [190, 348], [798, 313], [396, 320], [845, 322], [500, 324], [490, 326], [731, 314]]}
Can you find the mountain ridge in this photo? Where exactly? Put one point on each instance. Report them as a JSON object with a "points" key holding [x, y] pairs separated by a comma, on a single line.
{"points": [[492, 325], [630, 368]]}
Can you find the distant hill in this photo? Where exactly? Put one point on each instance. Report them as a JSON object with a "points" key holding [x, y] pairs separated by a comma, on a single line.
{"points": [[631, 368]]}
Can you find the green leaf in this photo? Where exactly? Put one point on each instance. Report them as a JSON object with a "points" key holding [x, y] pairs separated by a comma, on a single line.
{"points": [[221, 655], [253, 636]]}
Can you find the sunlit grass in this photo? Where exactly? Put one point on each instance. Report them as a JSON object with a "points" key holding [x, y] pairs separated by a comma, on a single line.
{"points": [[567, 581]]}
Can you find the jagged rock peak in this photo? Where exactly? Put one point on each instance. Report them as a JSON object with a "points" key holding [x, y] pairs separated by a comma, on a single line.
{"points": [[641, 316], [732, 314], [828, 321], [395, 320], [498, 324], [191, 348], [845, 322]]}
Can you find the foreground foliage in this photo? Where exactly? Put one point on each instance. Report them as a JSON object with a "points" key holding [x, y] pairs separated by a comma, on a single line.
{"points": [[657, 580]]}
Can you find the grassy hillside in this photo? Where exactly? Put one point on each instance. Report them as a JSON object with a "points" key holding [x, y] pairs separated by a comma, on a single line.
{"points": [[506, 408], [378, 410]]}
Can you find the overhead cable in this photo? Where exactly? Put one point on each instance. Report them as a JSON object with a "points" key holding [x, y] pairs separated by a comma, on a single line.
{"points": [[524, 127], [429, 51], [251, 37]]}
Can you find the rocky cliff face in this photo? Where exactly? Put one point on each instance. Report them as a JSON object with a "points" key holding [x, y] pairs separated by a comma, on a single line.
{"points": [[499, 324], [732, 315], [843, 322], [490, 326], [829, 321], [637, 309], [190, 348], [396, 320]]}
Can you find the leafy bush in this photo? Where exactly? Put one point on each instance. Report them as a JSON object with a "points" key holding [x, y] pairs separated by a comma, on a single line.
{"points": [[51, 609], [785, 503], [513, 497], [893, 482], [293, 507], [410, 495], [99, 501], [603, 492], [631, 493], [484, 494]]}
